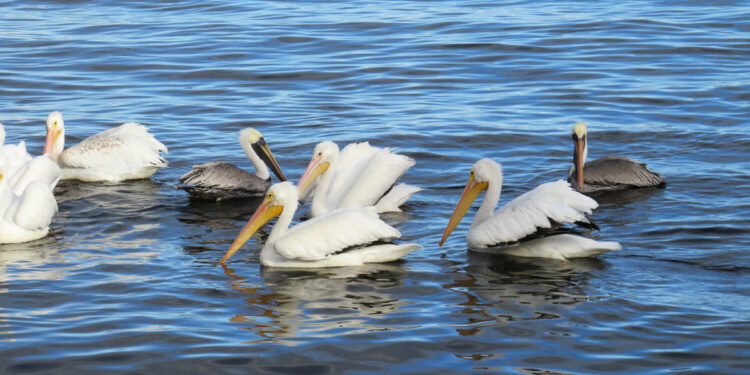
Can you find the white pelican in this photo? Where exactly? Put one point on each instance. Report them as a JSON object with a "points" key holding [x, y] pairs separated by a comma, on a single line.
{"points": [[608, 173], [344, 237], [220, 180], [126, 152], [359, 176], [26, 217], [537, 213]]}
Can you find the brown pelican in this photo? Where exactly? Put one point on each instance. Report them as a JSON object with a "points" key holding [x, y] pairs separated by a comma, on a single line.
{"points": [[608, 173], [126, 152], [360, 175], [536, 214], [343, 237], [220, 180]]}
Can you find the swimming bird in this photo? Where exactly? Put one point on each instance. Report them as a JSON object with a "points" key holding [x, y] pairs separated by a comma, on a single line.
{"points": [[343, 237], [359, 176], [220, 180], [607, 173], [126, 152], [26, 217], [538, 213]]}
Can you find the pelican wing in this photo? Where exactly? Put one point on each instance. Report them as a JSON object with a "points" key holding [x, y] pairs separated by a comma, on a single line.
{"points": [[550, 203], [378, 176], [36, 208], [40, 168], [322, 236], [128, 145], [222, 175], [620, 170], [348, 167], [13, 158], [397, 196]]}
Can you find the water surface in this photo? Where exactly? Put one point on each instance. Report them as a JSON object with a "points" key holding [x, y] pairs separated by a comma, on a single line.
{"points": [[130, 280]]}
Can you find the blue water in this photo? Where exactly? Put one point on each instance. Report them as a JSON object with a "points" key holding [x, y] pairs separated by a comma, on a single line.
{"points": [[130, 281]]}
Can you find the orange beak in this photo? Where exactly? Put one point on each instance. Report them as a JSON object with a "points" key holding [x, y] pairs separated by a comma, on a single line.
{"points": [[471, 191], [262, 215], [314, 169], [52, 135], [578, 160]]}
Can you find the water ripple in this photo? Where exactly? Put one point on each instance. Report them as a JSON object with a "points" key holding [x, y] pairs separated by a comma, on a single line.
{"points": [[130, 282]]}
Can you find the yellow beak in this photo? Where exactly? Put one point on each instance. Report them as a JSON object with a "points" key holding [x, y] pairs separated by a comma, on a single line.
{"points": [[314, 169], [262, 215], [470, 193]]}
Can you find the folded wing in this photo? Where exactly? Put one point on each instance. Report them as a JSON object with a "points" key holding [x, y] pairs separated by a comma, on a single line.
{"points": [[344, 228]]}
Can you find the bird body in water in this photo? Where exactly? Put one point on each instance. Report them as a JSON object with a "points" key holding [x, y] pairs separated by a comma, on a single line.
{"points": [[538, 215], [608, 173], [219, 180]]}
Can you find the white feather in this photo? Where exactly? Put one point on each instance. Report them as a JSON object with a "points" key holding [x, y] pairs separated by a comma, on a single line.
{"points": [[553, 201], [126, 152], [25, 218], [342, 228], [13, 158], [561, 246], [359, 176], [41, 169], [398, 195], [36, 207]]}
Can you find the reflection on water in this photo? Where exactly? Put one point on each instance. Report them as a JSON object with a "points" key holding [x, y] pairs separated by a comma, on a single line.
{"points": [[130, 281], [619, 198], [289, 306], [502, 289], [29, 261]]}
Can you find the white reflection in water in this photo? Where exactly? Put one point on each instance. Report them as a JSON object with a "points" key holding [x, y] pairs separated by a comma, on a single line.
{"points": [[297, 306], [500, 289]]}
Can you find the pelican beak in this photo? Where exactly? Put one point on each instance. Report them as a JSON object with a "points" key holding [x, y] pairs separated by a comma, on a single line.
{"points": [[470, 193], [578, 159], [262, 215], [52, 134], [262, 149], [314, 169]]}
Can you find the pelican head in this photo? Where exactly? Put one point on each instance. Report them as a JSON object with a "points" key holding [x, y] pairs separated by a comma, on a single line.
{"points": [[323, 155], [53, 147], [251, 139], [580, 150], [483, 172], [279, 197]]}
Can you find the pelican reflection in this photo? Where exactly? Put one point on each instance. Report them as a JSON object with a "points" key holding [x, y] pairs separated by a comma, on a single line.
{"points": [[289, 306]]}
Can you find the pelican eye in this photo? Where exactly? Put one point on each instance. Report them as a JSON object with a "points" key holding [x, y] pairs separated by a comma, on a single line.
{"points": [[269, 196]]}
